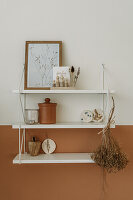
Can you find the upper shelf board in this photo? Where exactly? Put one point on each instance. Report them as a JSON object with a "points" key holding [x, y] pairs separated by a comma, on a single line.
{"points": [[62, 125], [63, 91]]}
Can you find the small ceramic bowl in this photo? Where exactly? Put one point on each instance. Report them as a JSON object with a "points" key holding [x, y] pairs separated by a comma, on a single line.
{"points": [[87, 116]]}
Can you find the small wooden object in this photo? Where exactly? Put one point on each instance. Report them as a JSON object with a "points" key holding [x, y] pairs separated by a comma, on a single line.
{"points": [[62, 88], [54, 83], [57, 82], [98, 115], [66, 82], [34, 147], [62, 81]]}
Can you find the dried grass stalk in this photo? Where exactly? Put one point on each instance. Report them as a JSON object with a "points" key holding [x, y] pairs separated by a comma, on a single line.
{"points": [[109, 155]]}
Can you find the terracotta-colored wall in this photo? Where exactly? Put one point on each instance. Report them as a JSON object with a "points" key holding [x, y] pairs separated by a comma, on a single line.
{"points": [[63, 181]]}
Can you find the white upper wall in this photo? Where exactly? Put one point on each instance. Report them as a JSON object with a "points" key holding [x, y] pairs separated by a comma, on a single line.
{"points": [[93, 32]]}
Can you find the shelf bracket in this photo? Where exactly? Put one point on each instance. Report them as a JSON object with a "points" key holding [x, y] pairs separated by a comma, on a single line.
{"points": [[102, 87], [21, 143], [102, 76]]}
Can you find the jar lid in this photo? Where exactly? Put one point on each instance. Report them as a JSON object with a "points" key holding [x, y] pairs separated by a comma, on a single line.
{"points": [[47, 103]]}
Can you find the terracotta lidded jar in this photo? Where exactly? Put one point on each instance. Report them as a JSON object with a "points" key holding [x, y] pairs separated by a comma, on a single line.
{"points": [[47, 112]]}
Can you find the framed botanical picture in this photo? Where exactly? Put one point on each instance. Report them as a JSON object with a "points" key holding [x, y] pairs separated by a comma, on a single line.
{"points": [[40, 58]]}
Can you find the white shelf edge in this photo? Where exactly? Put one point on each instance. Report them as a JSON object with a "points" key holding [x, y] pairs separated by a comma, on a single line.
{"points": [[54, 158], [62, 125], [62, 91]]}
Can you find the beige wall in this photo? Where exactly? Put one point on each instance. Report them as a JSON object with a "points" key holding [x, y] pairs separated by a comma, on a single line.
{"points": [[93, 32]]}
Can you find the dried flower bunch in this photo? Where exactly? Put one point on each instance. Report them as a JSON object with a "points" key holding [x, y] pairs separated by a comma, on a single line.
{"points": [[74, 75], [109, 155]]}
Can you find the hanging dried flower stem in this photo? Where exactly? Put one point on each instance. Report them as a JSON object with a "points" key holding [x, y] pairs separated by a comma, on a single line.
{"points": [[109, 155]]}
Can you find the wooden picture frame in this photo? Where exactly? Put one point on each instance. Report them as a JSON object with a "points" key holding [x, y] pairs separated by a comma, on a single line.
{"points": [[40, 58]]}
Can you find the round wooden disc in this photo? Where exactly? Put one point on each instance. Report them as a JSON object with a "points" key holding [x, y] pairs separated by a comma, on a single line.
{"points": [[48, 146]]}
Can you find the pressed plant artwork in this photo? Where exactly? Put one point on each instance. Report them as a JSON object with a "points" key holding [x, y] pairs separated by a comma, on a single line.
{"points": [[40, 59]]}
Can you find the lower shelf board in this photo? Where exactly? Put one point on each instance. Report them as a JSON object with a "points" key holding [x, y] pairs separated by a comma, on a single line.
{"points": [[54, 158]]}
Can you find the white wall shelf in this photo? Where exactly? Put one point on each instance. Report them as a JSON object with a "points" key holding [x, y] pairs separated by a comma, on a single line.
{"points": [[59, 157], [54, 158], [61, 125], [63, 91]]}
